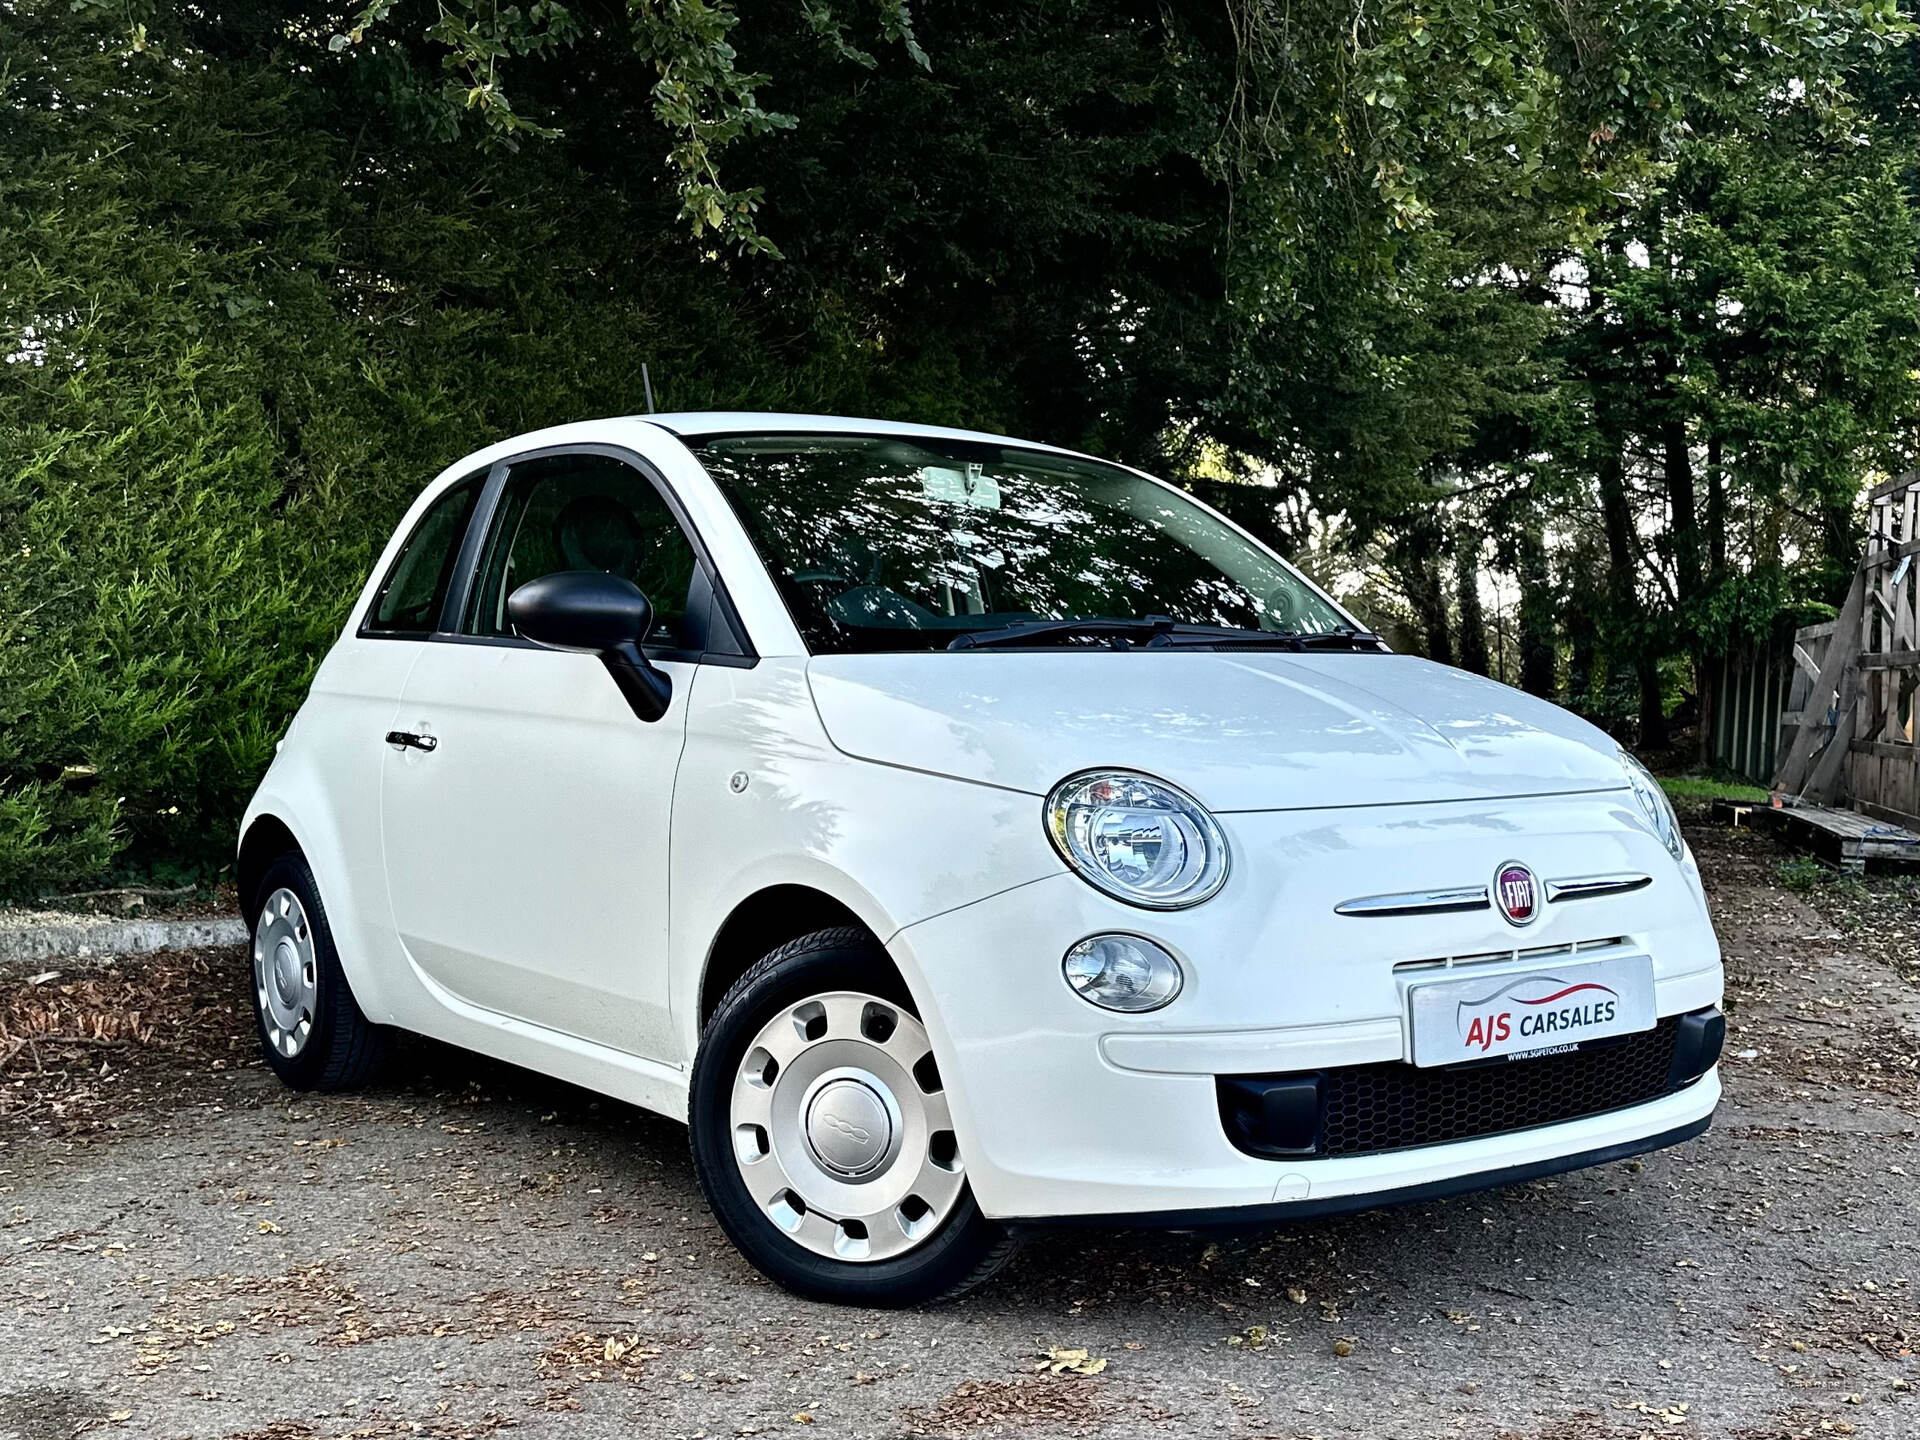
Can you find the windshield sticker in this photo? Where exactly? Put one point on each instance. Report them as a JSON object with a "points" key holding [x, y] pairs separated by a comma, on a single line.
{"points": [[961, 485]]}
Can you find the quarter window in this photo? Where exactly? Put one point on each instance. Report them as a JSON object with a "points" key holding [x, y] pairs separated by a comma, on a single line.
{"points": [[415, 589], [584, 512]]}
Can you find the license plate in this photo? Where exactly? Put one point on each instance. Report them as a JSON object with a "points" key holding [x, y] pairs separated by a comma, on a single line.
{"points": [[1533, 1012]]}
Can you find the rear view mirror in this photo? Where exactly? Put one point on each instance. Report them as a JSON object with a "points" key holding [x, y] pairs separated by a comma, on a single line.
{"points": [[595, 613]]}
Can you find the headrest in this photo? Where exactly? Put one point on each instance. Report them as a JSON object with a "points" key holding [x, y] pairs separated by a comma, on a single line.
{"points": [[597, 532]]}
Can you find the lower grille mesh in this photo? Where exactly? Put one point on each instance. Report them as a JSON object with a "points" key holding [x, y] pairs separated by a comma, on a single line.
{"points": [[1391, 1106]]}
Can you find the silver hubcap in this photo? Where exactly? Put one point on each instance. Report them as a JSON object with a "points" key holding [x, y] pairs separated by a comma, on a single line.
{"points": [[849, 1126], [285, 975], [841, 1128]]}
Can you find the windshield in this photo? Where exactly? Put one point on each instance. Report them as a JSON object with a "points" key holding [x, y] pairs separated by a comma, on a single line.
{"points": [[880, 543]]}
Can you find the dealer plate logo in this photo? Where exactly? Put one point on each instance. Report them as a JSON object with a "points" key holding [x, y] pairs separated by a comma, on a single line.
{"points": [[1530, 1013], [1516, 892], [1542, 1010]]}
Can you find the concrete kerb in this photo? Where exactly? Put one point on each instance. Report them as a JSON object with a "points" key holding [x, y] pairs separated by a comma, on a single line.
{"points": [[35, 936]]}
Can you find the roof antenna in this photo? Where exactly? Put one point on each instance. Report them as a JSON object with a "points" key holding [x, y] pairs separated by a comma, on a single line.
{"points": [[647, 380]]}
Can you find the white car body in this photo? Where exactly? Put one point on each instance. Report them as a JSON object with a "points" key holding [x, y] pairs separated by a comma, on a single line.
{"points": [[552, 883]]}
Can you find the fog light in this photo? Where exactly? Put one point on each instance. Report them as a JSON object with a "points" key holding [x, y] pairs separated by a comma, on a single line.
{"points": [[1122, 972]]}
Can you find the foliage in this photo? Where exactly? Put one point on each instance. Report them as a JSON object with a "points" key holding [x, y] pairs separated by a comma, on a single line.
{"points": [[1810, 876], [1399, 285], [1706, 787], [234, 350]]}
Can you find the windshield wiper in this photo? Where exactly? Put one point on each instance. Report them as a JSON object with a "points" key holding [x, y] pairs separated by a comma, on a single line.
{"points": [[1161, 632], [1200, 636], [1344, 640], [1121, 633]]}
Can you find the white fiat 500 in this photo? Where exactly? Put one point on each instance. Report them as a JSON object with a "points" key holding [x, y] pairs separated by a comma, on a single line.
{"points": [[961, 835]]}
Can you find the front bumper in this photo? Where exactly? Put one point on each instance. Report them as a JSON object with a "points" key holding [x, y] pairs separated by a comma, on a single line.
{"points": [[1064, 1111], [1285, 1211], [1379, 1108]]}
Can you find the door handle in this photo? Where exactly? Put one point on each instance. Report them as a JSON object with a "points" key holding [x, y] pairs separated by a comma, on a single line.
{"points": [[402, 739]]}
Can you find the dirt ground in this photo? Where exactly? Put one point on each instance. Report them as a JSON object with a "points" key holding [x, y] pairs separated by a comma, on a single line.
{"points": [[188, 1250]]}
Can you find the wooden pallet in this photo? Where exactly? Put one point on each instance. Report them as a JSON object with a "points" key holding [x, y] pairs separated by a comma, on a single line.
{"points": [[1844, 836], [1737, 813]]}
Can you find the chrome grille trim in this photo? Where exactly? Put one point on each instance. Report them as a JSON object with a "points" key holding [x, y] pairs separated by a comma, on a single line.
{"points": [[1476, 897], [1418, 902], [1585, 887]]}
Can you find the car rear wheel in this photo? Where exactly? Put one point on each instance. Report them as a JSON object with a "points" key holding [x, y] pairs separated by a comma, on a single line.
{"points": [[822, 1136], [311, 1029]]}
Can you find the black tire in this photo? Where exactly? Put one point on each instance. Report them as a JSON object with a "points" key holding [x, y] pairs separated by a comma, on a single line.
{"points": [[343, 1050], [963, 1253]]}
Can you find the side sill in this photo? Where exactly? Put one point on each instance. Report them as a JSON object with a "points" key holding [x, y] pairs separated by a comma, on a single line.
{"points": [[650, 1084]]}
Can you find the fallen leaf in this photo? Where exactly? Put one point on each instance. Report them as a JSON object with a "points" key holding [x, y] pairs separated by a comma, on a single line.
{"points": [[1077, 1362]]}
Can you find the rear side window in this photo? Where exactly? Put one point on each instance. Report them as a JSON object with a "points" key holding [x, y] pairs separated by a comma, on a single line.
{"points": [[416, 587], [584, 512]]}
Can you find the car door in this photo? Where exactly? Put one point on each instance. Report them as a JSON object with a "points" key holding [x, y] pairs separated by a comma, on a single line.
{"points": [[353, 702], [525, 824]]}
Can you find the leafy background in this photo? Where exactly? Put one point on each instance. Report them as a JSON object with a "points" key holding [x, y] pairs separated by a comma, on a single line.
{"points": [[1560, 338]]}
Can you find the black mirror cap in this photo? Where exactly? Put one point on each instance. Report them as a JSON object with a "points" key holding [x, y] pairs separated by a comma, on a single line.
{"points": [[587, 610]]}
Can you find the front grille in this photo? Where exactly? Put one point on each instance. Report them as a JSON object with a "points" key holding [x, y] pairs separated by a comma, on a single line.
{"points": [[1501, 957], [1367, 1109], [1370, 1108]]}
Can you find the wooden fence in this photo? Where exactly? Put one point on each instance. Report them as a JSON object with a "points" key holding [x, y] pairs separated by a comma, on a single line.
{"points": [[1752, 696], [1849, 728], [1883, 764]]}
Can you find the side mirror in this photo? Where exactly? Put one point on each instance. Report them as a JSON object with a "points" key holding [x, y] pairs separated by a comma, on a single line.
{"points": [[596, 614]]}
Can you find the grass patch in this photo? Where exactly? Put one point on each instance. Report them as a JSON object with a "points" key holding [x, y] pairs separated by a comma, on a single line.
{"points": [[1703, 787], [1815, 879]]}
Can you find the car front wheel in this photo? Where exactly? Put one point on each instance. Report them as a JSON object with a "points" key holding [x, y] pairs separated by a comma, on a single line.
{"points": [[312, 1031], [822, 1137]]}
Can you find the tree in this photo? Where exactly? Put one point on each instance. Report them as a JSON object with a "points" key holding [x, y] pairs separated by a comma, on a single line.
{"points": [[263, 271], [1746, 349]]}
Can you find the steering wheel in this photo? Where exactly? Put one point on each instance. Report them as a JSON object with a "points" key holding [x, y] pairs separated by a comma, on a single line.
{"points": [[1285, 610]]}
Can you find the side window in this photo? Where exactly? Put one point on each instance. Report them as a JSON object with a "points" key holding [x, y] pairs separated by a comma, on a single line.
{"points": [[409, 600], [584, 512]]}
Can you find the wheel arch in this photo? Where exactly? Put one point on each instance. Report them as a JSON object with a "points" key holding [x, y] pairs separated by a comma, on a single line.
{"points": [[266, 838], [763, 921], [282, 819]]}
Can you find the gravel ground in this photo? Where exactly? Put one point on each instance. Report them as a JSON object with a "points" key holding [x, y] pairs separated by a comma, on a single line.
{"points": [[188, 1250]]}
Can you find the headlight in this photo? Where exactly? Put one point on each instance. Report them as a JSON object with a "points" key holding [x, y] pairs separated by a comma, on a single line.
{"points": [[1655, 805], [1122, 972], [1138, 839]]}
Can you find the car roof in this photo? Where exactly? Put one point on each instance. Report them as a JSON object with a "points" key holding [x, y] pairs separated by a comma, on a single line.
{"points": [[698, 424]]}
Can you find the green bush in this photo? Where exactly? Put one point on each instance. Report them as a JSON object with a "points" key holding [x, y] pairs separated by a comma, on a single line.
{"points": [[240, 326], [259, 279]]}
